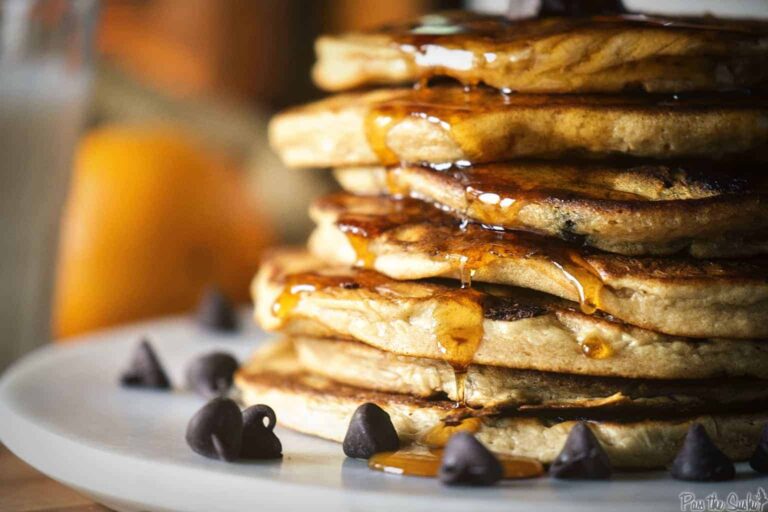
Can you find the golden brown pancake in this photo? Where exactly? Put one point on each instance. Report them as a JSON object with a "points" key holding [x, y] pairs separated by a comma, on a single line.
{"points": [[318, 406], [357, 364], [299, 295], [624, 208], [447, 124], [408, 239], [551, 55]]}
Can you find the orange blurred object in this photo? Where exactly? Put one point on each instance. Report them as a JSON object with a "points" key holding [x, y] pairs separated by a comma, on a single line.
{"points": [[151, 220]]}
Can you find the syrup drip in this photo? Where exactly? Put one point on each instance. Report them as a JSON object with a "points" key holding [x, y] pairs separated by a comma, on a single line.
{"points": [[466, 273], [458, 317], [415, 462], [364, 258], [438, 436], [584, 279], [395, 185], [596, 347], [290, 296], [378, 122], [467, 263]]}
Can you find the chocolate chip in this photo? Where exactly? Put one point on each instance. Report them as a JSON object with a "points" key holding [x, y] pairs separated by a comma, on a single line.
{"points": [[582, 457], [216, 313], [581, 8], [467, 462], [370, 431], [211, 375], [759, 459], [145, 370], [216, 430], [506, 309], [700, 460], [259, 440]]}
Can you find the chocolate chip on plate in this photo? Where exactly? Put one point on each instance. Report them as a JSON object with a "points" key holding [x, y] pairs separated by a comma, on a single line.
{"points": [[466, 461], [259, 439], [216, 313], [211, 374], [370, 431], [216, 430], [700, 460], [145, 370], [759, 459], [582, 457]]}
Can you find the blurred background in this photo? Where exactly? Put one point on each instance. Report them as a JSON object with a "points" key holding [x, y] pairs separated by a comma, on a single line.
{"points": [[136, 171]]}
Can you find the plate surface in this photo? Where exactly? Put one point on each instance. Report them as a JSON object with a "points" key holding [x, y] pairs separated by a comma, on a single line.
{"points": [[62, 411]]}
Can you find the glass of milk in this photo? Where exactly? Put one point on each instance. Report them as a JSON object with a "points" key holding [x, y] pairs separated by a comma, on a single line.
{"points": [[45, 58]]}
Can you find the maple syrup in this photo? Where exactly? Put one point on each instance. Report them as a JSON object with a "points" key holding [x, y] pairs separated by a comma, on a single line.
{"points": [[296, 285], [364, 258], [456, 111], [456, 28], [472, 47], [584, 279], [595, 347], [496, 193], [426, 463], [468, 247], [396, 187], [438, 436]]}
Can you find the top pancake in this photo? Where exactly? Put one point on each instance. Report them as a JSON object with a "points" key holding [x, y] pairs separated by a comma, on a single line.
{"points": [[441, 125], [552, 55]]}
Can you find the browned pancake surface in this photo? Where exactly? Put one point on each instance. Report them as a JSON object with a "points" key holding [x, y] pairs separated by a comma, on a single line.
{"points": [[698, 208]]}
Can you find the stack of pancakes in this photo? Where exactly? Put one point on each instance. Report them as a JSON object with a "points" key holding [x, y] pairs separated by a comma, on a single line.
{"points": [[564, 219]]}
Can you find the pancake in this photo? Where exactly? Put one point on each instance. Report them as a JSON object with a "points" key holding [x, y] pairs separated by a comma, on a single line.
{"points": [[318, 406], [298, 294], [356, 364], [552, 55], [409, 239], [623, 208], [447, 124]]}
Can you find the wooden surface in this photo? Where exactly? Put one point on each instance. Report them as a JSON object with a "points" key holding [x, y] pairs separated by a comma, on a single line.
{"points": [[22, 488]]}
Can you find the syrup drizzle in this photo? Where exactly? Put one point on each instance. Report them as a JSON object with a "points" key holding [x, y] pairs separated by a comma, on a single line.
{"points": [[297, 285], [456, 111], [467, 247], [472, 47]]}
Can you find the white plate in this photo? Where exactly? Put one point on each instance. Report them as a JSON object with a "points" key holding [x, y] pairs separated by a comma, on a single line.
{"points": [[62, 411]]}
